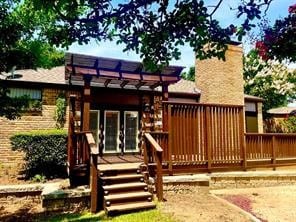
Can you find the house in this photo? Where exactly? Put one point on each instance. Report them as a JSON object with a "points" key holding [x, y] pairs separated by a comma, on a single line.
{"points": [[43, 86], [120, 113], [281, 113]]}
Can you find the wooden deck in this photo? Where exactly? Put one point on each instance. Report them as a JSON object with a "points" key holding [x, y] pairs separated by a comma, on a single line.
{"points": [[115, 159]]}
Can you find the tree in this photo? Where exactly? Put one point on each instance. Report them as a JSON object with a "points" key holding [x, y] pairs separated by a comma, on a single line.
{"points": [[20, 44], [21, 48], [155, 29], [270, 80], [279, 41], [190, 75]]}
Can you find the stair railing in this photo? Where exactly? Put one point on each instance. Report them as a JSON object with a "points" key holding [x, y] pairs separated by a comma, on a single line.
{"points": [[153, 154], [94, 172]]}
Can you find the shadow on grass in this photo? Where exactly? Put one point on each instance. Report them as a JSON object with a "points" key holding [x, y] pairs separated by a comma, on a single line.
{"points": [[25, 214]]}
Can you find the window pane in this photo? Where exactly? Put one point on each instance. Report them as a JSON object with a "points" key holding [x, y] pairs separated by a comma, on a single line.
{"points": [[131, 131], [93, 124], [32, 93], [111, 130]]}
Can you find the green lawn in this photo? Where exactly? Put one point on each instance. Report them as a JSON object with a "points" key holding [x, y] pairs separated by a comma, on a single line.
{"points": [[144, 216]]}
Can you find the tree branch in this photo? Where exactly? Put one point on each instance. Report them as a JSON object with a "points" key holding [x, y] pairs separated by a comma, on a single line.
{"points": [[215, 7]]}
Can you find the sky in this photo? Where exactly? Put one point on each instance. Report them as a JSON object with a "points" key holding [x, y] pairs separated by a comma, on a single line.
{"points": [[278, 9]]}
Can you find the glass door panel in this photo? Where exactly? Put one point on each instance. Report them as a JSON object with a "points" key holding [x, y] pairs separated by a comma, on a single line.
{"points": [[111, 131], [131, 131], [94, 124]]}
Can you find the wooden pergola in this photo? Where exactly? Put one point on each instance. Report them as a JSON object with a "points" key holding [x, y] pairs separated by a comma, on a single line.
{"points": [[115, 73]]}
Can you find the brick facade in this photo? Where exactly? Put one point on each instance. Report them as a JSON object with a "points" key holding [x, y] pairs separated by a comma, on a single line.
{"points": [[30, 121]]}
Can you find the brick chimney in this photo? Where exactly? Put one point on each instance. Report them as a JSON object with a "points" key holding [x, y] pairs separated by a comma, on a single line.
{"points": [[221, 82]]}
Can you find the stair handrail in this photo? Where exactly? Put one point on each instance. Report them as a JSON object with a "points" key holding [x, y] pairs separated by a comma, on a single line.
{"points": [[156, 153], [94, 172]]}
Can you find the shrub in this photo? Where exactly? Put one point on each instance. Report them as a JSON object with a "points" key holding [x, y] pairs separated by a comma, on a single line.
{"points": [[38, 178], [290, 124], [60, 111], [45, 152]]}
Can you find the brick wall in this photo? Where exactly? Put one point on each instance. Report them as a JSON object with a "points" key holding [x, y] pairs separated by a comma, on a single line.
{"points": [[44, 120]]}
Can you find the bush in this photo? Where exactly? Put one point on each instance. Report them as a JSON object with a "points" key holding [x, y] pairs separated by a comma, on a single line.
{"points": [[60, 111], [290, 124], [45, 152]]}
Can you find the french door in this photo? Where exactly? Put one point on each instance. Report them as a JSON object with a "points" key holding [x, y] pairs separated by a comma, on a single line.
{"points": [[131, 120], [113, 119], [111, 129]]}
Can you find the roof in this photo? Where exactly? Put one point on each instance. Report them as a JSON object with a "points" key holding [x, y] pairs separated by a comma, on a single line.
{"points": [[253, 98], [49, 76], [189, 87], [282, 110], [56, 76], [110, 71]]}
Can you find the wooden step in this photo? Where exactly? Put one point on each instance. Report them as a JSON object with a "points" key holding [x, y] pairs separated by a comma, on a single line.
{"points": [[130, 207], [128, 196], [130, 177], [119, 167], [125, 186]]}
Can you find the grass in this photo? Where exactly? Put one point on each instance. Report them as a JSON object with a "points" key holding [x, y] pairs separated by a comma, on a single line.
{"points": [[143, 216]]}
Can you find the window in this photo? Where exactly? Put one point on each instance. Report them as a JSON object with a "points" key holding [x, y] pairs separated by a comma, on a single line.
{"points": [[94, 124], [131, 131], [34, 96]]}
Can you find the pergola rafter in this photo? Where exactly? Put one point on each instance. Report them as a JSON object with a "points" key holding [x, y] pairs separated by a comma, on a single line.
{"points": [[118, 73]]}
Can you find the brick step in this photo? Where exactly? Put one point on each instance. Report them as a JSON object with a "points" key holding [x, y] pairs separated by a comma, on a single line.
{"points": [[124, 187], [121, 208], [130, 196]]}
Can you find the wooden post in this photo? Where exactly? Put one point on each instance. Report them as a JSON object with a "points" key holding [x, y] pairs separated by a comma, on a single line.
{"points": [[274, 148], [165, 97], [159, 181], [145, 152], [86, 103], [170, 138], [243, 139], [208, 137], [71, 129], [94, 184]]}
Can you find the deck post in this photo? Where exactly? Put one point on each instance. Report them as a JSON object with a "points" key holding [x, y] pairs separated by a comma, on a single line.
{"points": [[243, 139], [165, 97], [208, 137], [170, 139], [274, 148], [71, 129], [159, 180], [86, 102], [94, 184]]}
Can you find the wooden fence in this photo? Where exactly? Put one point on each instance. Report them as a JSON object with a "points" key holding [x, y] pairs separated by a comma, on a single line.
{"points": [[206, 137], [270, 149]]}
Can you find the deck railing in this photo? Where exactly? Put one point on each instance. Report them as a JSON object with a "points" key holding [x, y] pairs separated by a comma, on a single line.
{"points": [[153, 153], [270, 149], [83, 152], [205, 137]]}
